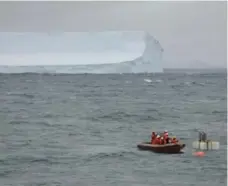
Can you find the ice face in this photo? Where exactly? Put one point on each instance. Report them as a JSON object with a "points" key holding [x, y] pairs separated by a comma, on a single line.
{"points": [[151, 59], [152, 54]]}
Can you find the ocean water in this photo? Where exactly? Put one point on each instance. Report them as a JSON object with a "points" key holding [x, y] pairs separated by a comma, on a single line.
{"points": [[83, 129]]}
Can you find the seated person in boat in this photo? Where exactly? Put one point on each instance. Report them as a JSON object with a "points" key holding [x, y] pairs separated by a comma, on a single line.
{"points": [[162, 141], [166, 137], [153, 136], [157, 140], [174, 140]]}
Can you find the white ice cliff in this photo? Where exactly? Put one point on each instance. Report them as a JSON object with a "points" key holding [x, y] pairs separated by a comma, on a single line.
{"points": [[151, 59], [149, 62]]}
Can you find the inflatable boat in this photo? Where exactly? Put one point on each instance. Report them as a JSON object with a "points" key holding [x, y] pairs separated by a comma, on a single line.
{"points": [[168, 148]]}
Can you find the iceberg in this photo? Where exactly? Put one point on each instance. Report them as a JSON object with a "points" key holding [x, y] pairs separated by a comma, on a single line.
{"points": [[150, 61]]}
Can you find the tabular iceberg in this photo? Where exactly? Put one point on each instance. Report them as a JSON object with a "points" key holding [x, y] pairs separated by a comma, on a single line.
{"points": [[149, 62]]}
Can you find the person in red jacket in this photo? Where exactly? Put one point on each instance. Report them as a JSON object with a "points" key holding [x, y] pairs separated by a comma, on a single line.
{"points": [[166, 137], [157, 140], [162, 141], [166, 133], [153, 136]]}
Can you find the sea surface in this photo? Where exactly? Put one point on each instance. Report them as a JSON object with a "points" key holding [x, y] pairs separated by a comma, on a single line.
{"points": [[83, 129]]}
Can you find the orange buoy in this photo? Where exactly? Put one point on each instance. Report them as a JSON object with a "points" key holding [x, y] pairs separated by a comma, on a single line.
{"points": [[199, 154]]}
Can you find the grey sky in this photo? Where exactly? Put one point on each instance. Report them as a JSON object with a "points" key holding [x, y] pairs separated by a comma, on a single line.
{"points": [[187, 30]]}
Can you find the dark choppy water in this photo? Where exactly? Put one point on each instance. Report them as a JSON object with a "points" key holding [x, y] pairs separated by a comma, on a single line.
{"points": [[83, 129]]}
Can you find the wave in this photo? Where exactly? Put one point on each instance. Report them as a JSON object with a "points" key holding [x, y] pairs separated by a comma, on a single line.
{"points": [[153, 81], [124, 116], [31, 96], [92, 155]]}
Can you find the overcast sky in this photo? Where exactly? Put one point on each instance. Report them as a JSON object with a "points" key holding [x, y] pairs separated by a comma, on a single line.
{"points": [[187, 31]]}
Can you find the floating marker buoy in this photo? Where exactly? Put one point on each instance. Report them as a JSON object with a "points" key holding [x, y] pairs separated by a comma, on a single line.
{"points": [[204, 144], [208, 145]]}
